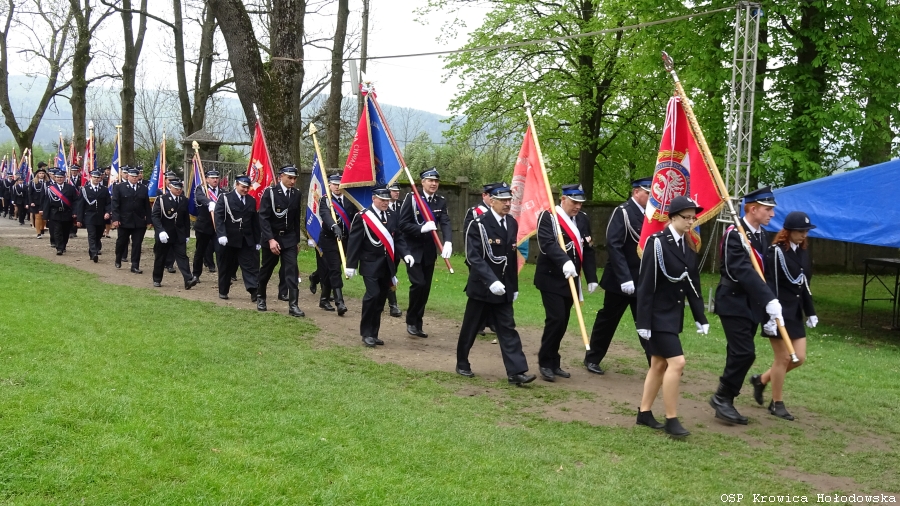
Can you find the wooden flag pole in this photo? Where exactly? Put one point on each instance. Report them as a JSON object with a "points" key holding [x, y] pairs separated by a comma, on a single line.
{"points": [[559, 238], [119, 152], [312, 132], [196, 147], [723, 190]]}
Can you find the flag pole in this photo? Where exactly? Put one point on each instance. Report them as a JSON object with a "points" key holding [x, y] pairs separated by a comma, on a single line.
{"points": [[312, 132], [723, 190], [559, 237], [119, 152], [263, 135]]}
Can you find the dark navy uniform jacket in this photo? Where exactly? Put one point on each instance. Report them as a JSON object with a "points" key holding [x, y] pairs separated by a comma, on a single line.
{"points": [[741, 292], [491, 254], [622, 235], [548, 274]]}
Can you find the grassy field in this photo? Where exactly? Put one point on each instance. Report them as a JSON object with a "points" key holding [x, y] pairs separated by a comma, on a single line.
{"points": [[179, 402]]}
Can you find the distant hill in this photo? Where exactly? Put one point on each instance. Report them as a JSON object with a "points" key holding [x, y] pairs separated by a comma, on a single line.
{"points": [[103, 109]]}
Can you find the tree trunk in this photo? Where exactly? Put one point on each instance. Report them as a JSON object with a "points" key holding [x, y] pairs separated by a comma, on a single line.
{"points": [[133, 46], [203, 79], [333, 105], [180, 71], [81, 58], [275, 87], [875, 144]]}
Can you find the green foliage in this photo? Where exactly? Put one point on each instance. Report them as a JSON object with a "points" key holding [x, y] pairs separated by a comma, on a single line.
{"points": [[456, 159]]}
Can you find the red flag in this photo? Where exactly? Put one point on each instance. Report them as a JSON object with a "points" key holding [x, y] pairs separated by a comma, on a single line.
{"points": [[88, 166], [529, 192], [360, 167], [680, 170], [260, 168]]}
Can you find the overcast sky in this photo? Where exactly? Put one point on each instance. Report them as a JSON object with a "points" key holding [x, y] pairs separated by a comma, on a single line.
{"points": [[393, 29]]}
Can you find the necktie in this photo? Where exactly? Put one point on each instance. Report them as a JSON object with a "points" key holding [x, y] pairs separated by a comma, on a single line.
{"points": [[383, 217], [290, 193], [503, 223], [242, 200]]}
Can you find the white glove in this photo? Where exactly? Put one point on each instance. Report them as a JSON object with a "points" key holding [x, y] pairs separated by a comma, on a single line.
{"points": [[428, 227], [349, 272], [409, 260], [702, 328], [448, 250], [569, 270], [773, 309], [311, 243], [211, 206], [258, 247], [515, 296], [812, 321], [187, 240], [770, 328], [223, 240], [497, 288], [644, 333], [628, 288], [163, 237], [395, 281], [592, 287]]}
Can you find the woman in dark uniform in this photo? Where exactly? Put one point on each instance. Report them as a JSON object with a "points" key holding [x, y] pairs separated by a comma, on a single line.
{"points": [[668, 274], [788, 270]]}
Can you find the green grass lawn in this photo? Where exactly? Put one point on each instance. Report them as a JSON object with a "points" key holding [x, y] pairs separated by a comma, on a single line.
{"points": [[169, 401]]}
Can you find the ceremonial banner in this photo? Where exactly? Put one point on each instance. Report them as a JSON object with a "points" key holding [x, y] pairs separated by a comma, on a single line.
{"points": [[529, 194], [260, 168], [3, 168], [114, 166], [90, 161], [153, 185], [196, 183], [313, 197], [24, 171], [374, 158], [680, 170], [61, 162], [73, 156]]}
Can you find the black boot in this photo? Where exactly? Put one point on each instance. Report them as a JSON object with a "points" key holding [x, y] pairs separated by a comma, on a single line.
{"points": [[254, 294], [324, 304], [646, 418], [777, 408], [339, 301], [313, 282], [293, 308], [261, 300], [282, 294], [674, 428], [758, 388], [392, 303], [723, 403]]}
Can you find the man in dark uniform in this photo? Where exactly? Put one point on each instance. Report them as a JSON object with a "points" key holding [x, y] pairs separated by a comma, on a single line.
{"points": [[416, 229], [19, 195], [279, 223], [36, 191], [59, 209], [238, 232], [394, 207], [106, 183], [93, 208], [131, 214], [170, 258], [75, 180], [492, 287], [743, 300], [620, 274], [204, 228], [5, 190], [172, 225], [555, 267], [374, 243], [332, 232]]}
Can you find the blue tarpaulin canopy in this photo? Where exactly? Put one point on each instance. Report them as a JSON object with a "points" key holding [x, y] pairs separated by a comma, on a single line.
{"points": [[858, 206]]}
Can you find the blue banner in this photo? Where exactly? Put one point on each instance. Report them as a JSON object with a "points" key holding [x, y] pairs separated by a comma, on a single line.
{"points": [[196, 181], [153, 185], [313, 198], [387, 158], [61, 156]]}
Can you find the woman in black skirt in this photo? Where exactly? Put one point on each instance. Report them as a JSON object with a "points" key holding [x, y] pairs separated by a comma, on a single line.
{"points": [[788, 270], [669, 273]]}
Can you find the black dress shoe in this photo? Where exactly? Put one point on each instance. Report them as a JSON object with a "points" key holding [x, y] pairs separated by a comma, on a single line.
{"points": [[157, 284], [395, 311], [254, 295], [421, 333], [136, 270], [233, 278], [647, 419], [758, 388], [674, 428], [465, 372], [592, 367], [212, 270], [324, 304], [379, 342], [283, 296], [520, 379], [191, 282], [125, 259], [295, 311], [777, 408], [313, 286], [59, 252], [412, 330], [725, 410], [118, 265], [561, 373], [170, 270], [223, 296], [95, 258], [99, 253], [547, 374], [341, 308], [369, 341], [261, 304]]}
